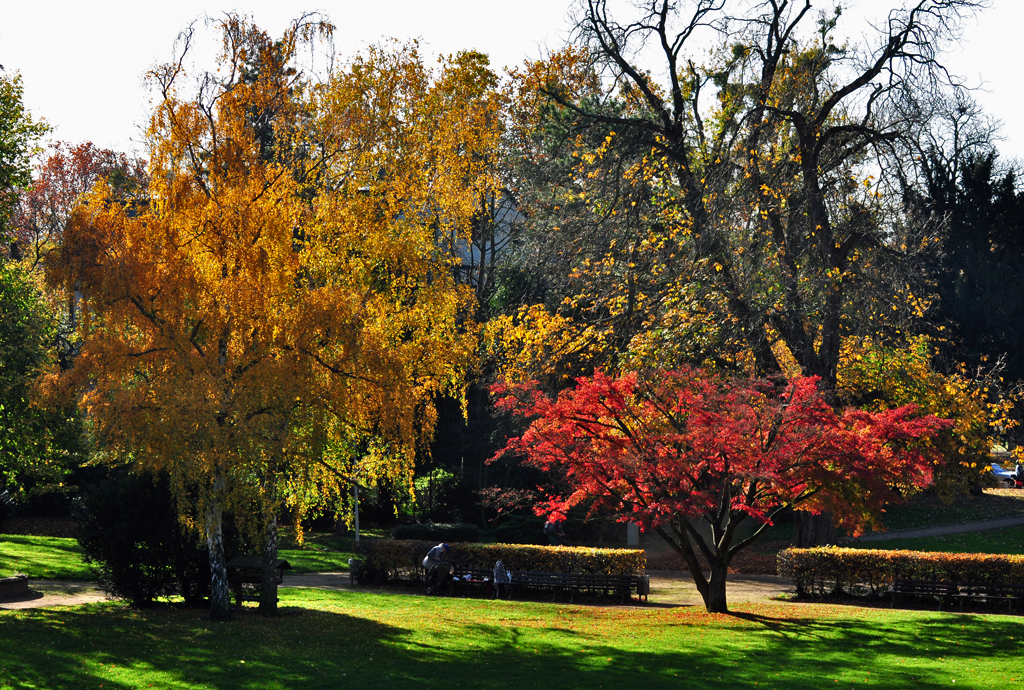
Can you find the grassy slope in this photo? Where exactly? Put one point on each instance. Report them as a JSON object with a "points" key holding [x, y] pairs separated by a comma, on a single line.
{"points": [[925, 510], [1007, 540], [320, 552], [57, 558], [60, 558], [366, 640]]}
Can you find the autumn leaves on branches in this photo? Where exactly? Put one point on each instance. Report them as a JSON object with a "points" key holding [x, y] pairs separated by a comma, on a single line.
{"points": [[277, 290], [693, 455]]}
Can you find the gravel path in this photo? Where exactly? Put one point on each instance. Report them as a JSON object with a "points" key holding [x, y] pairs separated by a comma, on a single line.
{"points": [[945, 529], [668, 588], [47, 593]]}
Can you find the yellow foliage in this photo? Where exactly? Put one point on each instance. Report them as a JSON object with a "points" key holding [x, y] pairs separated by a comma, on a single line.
{"points": [[279, 315], [877, 377], [535, 344]]}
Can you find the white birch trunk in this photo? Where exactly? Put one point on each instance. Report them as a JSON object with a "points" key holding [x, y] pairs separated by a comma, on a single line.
{"points": [[220, 592], [268, 586]]}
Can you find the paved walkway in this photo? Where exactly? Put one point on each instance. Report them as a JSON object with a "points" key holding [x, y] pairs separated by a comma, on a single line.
{"points": [[668, 588], [48, 593], [980, 526]]}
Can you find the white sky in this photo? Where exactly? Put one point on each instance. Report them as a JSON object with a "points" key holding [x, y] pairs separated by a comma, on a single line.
{"points": [[83, 62]]}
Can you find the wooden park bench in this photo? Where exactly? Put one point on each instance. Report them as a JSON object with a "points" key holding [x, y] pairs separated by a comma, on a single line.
{"points": [[991, 592], [245, 577], [481, 580], [947, 591], [595, 583]]}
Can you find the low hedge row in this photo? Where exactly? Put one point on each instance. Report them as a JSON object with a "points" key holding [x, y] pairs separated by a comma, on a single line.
{"points": [[837, 569], [391, 561], [438, 532]]}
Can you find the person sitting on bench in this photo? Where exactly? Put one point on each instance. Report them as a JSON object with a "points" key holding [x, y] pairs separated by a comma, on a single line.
{"points": [[436, 567]]}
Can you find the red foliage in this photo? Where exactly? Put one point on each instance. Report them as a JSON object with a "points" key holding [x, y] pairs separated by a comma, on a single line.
{"points": [[60, 180], [688, 444]]}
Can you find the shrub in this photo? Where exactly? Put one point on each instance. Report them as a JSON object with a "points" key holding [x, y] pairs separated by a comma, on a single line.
{"points": [[520, 529], [836, 569], [401, 560], [128, 527], [438, 532]]}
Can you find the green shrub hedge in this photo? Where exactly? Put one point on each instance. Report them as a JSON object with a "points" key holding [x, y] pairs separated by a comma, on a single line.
{"points": [[401, 560], [438, 532], [834, 569], [129, 530]]}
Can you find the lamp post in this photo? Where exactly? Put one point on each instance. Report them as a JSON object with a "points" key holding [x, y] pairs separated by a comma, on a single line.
{"points": [[355, 498]]}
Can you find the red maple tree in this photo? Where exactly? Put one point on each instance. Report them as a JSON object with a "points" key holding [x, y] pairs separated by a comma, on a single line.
{"points": [[60, 182], [693, 456]]}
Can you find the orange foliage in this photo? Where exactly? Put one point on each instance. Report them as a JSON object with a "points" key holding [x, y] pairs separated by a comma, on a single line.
{"points": [[279, 288]]}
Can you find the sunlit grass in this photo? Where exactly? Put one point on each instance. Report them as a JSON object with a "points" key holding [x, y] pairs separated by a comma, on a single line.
{"points": [[366, 640], [319, 552], [1006, 540], [58, 558]]}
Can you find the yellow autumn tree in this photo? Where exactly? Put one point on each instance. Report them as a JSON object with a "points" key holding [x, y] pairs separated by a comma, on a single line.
{"points": [[878, 377], [723, 208], [279, 276], [416, 153]]}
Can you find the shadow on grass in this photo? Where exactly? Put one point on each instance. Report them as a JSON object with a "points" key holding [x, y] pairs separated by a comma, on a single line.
{"points": [[380, 641]]}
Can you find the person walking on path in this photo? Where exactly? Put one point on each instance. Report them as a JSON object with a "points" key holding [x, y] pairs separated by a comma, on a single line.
{"points": [[553, 528]]}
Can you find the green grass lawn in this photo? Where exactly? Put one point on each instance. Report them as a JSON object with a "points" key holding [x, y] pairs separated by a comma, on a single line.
{"points": [[366, 640], [923, 510], [60, 558], [1006, 540], [320, 551], [57, 558], [928, 510]]}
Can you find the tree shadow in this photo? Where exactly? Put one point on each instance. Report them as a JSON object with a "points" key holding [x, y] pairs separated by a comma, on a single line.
{"points": [[367, 640]]}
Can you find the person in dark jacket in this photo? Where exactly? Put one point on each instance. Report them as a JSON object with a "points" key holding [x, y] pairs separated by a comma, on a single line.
{"points": [[553, 528], [436, 566]]}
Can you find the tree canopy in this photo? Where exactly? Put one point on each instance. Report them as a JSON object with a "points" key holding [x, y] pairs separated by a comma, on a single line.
{"points": [[279, 275], [687, 451], [19, 134], [726, 211]]}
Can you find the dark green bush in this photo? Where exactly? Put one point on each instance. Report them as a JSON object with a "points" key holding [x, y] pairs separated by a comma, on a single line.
{"points": [[6, 506], [438, 532], [129, 529], [520, 529]]}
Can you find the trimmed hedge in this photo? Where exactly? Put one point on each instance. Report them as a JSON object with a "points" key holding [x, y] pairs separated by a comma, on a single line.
{"points": [[438, 532], [391, 561], [836, 569]]}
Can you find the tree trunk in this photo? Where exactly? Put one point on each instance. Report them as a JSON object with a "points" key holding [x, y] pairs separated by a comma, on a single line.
{"points": [[814, 530], [714, 600], [220, 593], [711, 589], [268, 586]]}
